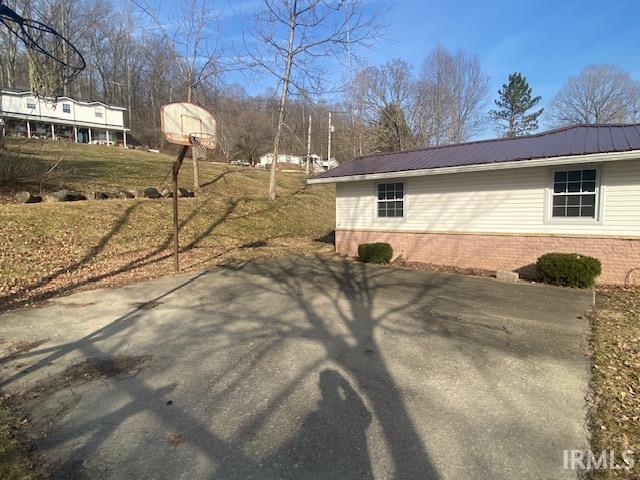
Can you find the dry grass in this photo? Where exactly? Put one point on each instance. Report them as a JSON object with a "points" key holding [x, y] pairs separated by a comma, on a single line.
{"points": [[52, 249], [616, 376]]}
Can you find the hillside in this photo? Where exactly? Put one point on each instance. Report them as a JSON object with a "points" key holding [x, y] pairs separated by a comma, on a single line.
{"points": [[51, 249]]}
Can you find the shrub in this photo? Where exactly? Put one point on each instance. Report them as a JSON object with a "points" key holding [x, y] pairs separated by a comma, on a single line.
{"points": [[375, 252], [569, 269]]}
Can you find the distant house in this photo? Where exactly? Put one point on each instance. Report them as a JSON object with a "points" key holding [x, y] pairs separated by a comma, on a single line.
{"points": [[24, 115], [317, 162], [499, 204]]}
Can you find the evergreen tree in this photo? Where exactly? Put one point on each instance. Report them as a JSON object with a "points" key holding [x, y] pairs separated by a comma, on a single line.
{"points": [[392, 131], [515, 100]]}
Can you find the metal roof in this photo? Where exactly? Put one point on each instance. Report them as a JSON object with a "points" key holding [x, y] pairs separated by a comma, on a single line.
{"points": [[566, 141]]}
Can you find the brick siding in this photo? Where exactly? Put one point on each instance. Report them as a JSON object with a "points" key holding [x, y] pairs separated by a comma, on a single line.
{"points": [[620, 257]]}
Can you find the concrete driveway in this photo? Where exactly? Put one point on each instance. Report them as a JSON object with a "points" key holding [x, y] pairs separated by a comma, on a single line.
{"points": [[305, 368]]}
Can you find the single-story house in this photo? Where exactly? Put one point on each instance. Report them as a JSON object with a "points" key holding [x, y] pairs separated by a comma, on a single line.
{"points": [[318, 164], [499, 204]]}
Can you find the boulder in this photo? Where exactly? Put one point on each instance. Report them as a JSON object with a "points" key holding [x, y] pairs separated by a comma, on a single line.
{"points": [[97, 196], [124, 194], [75, 196], [59, 196], [63, 196], [151, 192], [26, 197], [166, 193], [142, 148], [183, 192]]}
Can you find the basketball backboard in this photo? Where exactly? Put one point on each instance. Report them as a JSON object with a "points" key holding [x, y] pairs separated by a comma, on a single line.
{"points": [[183, 123]]}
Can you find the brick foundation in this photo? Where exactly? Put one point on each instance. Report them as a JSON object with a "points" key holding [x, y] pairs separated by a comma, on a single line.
{"points": [[620, 257]]}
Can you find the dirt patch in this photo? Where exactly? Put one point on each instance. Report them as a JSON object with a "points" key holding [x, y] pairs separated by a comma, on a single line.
{"points": [[88, 370]]}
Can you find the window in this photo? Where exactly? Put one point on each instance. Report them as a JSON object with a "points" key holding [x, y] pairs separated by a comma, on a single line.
{"points": [[574, 193], [31, 103], [98, 113], [390, 200], [66, 108]]}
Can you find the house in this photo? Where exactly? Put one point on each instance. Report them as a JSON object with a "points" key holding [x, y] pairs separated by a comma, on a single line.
{"points": [[317, 163], [499, 204], [23, 114], [267, 158]]}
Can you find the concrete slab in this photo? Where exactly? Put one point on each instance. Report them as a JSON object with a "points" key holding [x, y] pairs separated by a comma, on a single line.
{"points": [[307, 368]]}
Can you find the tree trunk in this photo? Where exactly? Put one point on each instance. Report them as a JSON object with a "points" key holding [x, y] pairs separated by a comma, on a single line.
{"points": [[283, 101]]}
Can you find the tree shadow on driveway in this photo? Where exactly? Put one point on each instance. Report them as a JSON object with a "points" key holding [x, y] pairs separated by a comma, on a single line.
{"points": [[246, 350]]}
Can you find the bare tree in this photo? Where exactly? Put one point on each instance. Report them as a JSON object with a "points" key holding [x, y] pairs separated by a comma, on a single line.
{"points": [[600, 94], [383, 97], [451, 95], [191, 40], [292, 38]]}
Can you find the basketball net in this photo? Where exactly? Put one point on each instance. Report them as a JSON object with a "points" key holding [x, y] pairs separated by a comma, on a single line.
{"points": [[200, 144]]}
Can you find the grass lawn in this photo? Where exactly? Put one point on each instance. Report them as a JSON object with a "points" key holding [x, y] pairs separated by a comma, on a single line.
{"points": [[616, 376], [49, 249]]}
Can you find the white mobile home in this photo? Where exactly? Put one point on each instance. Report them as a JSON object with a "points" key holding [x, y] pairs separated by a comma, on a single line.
{"points": [[24, 115], [500, 204]]}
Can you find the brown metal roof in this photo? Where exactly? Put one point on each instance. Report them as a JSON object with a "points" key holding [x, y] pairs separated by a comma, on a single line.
{"points": [[572, 140]]}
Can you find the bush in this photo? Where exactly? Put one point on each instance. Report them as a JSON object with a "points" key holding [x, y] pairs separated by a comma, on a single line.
{"points": [[375, 252], [569, 269]]}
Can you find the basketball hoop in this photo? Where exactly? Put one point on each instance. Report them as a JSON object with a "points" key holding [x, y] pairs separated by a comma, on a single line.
{"points": [[192, 126], [53, 60]]}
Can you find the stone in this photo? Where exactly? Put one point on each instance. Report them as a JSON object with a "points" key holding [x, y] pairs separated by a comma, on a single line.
{"points": [[166, 193], [97, 196], [63, 196], [505, 276], [59, 196], [26, 197], [124, 194], [183, 192], [142, 148], [151, 192]]}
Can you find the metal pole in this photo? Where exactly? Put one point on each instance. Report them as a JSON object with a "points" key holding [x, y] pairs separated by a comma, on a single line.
{"points": [[329, 145], [176, 169], [309, 145]]}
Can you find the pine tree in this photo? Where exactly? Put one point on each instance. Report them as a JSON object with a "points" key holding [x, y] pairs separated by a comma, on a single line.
{"points": [[515, 100], [392, 131]]}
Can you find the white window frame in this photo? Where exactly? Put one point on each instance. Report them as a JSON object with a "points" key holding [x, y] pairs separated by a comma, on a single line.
{"points": [[32, 103], [404, 201], [99, 113], [66, 108], [599, 193]]}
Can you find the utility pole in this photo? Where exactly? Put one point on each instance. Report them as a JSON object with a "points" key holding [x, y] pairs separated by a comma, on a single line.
{"points": [[329, 144], [308, 144]]}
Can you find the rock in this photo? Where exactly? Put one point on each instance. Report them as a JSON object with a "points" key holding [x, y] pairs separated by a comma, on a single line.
{"points": [[124, 194], [183, 192], [142, 148], [26, 197], [59, 196], [504, 276], [97, 196], [166, 193], [151, 192], [75, 196], [63, 196]]}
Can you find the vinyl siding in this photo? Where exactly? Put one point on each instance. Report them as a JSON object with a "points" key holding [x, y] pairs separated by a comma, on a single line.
{"points": [[502, 201]]}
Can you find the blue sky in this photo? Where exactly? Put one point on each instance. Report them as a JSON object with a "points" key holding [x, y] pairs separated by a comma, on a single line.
{"points": [[547, 40]]}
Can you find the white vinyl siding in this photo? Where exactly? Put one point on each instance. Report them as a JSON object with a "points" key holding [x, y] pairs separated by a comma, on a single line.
{"points": [[501, 201]]}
